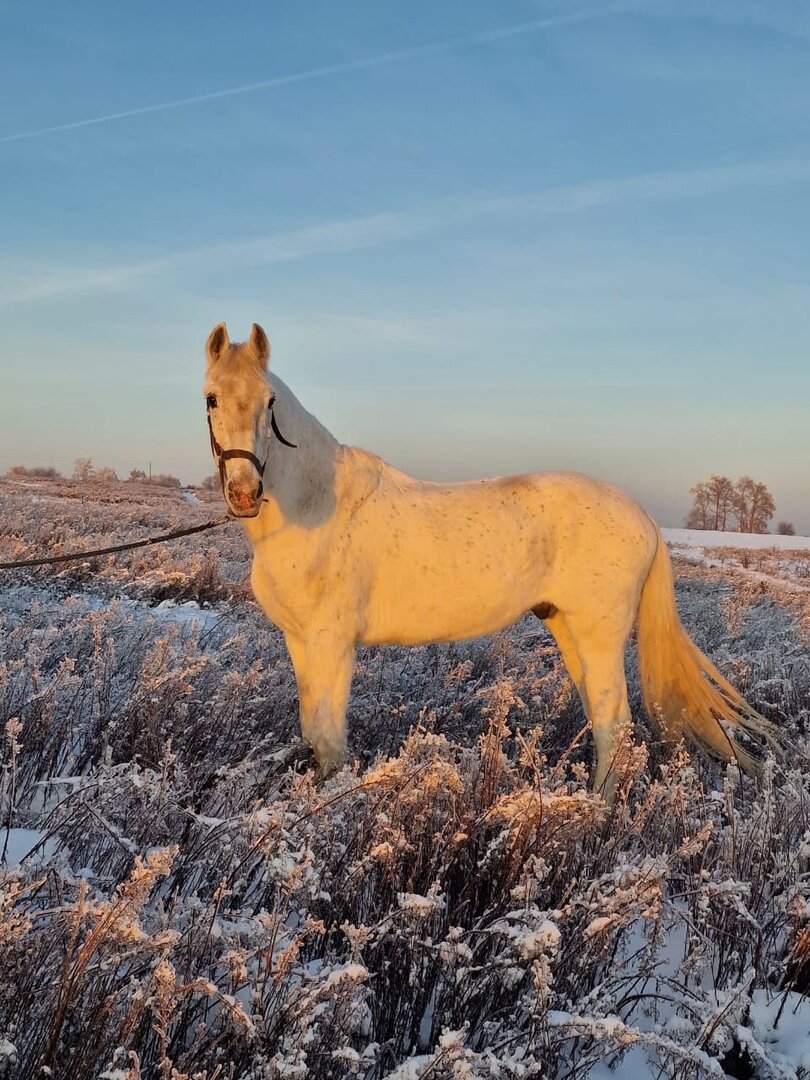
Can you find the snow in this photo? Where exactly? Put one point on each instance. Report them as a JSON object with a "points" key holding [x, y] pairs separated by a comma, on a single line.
{"points": [[89, 671], [634, 1066], [543, 938], [189, 611], [8, 1056], [419, 906], [703, 538], [21, 842], [412, 1069], [602, 922], [346, 973], [782, 1024]]}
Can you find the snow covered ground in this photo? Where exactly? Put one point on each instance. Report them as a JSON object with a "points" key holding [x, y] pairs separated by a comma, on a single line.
{"points": [[706, 538], [456, 902]]}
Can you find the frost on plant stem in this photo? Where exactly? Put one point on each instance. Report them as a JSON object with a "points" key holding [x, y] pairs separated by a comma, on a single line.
{"points": [[195, 902]]}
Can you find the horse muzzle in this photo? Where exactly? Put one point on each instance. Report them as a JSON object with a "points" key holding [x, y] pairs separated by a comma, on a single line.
{"points": [[244, 500]]}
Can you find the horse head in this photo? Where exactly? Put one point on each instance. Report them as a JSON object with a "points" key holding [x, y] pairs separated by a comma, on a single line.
{"points": [[239, 399]]}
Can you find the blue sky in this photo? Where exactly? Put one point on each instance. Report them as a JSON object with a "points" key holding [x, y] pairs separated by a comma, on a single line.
{"points": [[482, 238]]}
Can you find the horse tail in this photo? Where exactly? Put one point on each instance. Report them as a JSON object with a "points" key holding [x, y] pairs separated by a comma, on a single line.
{"points": [[683, 691]]}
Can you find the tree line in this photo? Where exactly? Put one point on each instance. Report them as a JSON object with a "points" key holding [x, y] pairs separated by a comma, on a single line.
{"points": [[85, 471], [719, 503], [745, 505]]}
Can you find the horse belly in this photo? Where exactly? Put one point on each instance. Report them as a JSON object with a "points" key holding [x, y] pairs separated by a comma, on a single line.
{"points": [[442, 602]]}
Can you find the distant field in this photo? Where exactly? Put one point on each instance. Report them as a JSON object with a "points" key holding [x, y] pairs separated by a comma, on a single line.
{"points": [[709, 539], [179, 892]]}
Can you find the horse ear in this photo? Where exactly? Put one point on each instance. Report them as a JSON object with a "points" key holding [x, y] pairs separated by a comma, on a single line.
{"points": [[259, 345], [217, 343]]}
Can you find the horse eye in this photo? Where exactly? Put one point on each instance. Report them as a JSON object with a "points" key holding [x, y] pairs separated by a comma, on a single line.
{"points": [[271, 402], [211, 401]]}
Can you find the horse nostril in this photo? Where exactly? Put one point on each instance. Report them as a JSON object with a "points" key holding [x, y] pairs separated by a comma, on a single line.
{"points": [[242, 494]]}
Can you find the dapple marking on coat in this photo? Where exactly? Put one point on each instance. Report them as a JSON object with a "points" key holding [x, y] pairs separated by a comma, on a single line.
{"points": [[348, 550]]}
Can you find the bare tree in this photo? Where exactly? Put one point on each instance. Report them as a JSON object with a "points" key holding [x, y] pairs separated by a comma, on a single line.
{"points": [[753, 504], [698, 517], [763, 509], [137, 476], [83, 469], [721, 502], [713, 502], [786, 528], [36, 472], [164, 480], [105, 475], [210, 483], [743, 494]]}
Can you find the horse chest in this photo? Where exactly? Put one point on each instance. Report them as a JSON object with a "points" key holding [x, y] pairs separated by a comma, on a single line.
{"points": [[300, 586]]}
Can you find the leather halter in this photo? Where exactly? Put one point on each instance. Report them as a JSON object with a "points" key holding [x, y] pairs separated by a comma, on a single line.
{"points": [[222, 456]]}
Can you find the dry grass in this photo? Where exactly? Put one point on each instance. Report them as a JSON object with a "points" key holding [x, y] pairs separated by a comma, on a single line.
{"points": [[455, 903]]}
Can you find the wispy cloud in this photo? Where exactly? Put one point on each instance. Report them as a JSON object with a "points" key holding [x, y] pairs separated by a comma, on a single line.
{"points": [[362, 63], [788, 21], [351, 234], [380, 229]]}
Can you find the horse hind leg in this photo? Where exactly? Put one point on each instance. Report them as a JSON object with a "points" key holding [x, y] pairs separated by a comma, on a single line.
{"points": [[595, 662], [558, 628], [602, 655]]}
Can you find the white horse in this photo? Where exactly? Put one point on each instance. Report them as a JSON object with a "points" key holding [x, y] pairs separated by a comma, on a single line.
{"points": [[348, 550]]}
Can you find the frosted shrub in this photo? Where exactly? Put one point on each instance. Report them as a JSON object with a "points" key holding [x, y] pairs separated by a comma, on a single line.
{"points": [[182, 897]]}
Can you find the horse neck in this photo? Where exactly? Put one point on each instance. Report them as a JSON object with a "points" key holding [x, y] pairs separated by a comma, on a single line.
{"points": [[300, 483]]}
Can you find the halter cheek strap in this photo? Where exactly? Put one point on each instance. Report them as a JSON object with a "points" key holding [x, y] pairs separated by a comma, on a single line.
{"points": [[278, 434], [222, 456]]}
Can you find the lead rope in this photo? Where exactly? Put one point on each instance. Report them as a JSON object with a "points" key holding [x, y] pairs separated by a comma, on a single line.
{"points": [[76, 555], [221, 457]]}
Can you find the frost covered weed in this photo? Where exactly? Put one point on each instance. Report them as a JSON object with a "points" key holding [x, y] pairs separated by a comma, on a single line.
{"points": [[67, 517], [181, 897]]}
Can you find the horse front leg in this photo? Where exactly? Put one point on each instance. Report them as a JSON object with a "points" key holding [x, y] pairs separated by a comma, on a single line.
{"points": [[323, 664]]}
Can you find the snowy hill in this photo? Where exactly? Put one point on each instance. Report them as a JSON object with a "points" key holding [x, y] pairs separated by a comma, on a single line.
{"points": [[702, 538]]}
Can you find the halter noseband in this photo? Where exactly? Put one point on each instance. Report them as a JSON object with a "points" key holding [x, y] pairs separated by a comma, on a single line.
{"points": [[222, 456]]}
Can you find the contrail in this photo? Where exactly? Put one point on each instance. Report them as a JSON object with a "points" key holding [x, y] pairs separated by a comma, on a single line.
{"points": [[310, 75], [376, 229]]}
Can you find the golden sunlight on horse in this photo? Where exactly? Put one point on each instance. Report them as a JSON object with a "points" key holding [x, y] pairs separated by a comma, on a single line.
{"points": [[348, 550]]}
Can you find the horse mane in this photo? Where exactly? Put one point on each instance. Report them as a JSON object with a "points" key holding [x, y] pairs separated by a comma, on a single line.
{"points": [[304, 478], [302, 422]]}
